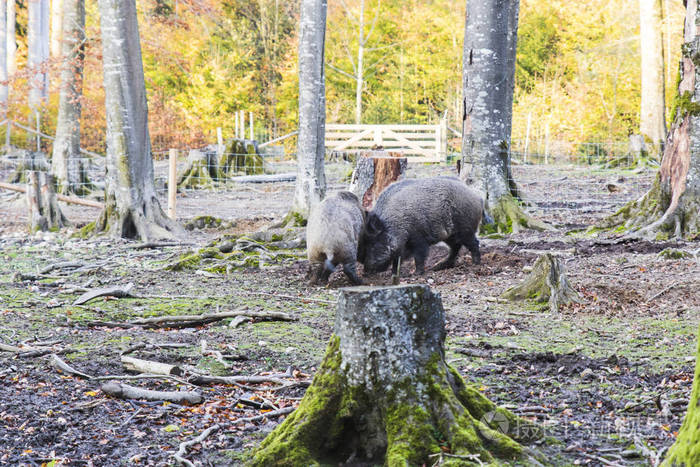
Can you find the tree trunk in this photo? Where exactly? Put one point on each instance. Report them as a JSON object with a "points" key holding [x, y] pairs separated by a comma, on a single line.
{"points": [[57, 28], [385, 395], [11, 41], [488, 74], [3, 58], [374, 172], [36, 58], [131, 208], [652, 121], [311, 178], [684, 451], [44, 213], [671, 208], [66, 160]]}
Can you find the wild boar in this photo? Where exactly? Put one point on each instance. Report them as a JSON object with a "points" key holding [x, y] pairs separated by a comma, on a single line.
{"points": [[411, 215], [332, 234]]}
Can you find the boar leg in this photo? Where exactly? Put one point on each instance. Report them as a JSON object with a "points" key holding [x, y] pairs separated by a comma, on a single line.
{"points": [[315, 270], [450, 261], [472, 244], [350, 270], [420, 253]]}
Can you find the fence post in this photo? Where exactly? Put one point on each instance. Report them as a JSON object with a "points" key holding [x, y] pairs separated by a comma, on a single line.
{"points": [[219, 142], [172, 182], [236, 134], [250, 121], [527, 135], [8, 133], [38, 130], [546, 144]]}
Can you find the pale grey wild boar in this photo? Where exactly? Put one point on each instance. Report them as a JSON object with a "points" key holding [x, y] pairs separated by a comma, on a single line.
{"points": [[332, 233], [412, 215]]}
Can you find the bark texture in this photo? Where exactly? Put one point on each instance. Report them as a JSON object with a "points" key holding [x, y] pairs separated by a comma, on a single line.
{"points": [[11, 43], [685, 451], [374, 172], [3, 57], [385, 395], [131, 209], [652, 121], [671, 208], [546, 283], [488, 80], [37, 51], [57, 28], [66, 163], [44, 213], [311, 178]]}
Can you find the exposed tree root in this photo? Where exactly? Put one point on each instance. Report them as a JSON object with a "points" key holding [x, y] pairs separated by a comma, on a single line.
{"points": [[652, 217], [509, 217], [546, 283], [144, 220]]}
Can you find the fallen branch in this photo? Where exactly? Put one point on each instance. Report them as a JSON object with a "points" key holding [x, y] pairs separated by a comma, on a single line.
{"points": [[61, 265], [182, 450], [63, 366], [172, 345], [662, 292], [149, 367], [119, 291], [270, 414], [149, 245], [196, 320], [65, 199], [124, 391], [235, 380]]}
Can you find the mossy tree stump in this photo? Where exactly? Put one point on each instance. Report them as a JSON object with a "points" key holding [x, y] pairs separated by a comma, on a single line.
{"points": [[375, 171], [240, 157], [385, 395], [44, 213], [200, 170], [546, 283], [686, 450]]}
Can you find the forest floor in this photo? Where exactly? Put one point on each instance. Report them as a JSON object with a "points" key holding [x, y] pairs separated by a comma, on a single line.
{"points": [[608, 377]]}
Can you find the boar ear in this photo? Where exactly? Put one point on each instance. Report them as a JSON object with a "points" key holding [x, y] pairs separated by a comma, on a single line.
{"points": [[374, 224]]}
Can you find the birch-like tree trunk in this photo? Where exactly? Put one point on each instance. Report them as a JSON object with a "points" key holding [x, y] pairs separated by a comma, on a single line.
{"points": [[11, 41], [3, 58], [671, 208], [488, 75], [311, 177], [57, 12], [65, 161], [37, 51], [131, 208], [652, 122]]}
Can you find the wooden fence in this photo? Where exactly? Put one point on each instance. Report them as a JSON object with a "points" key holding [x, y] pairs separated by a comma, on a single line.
{"points": [[420, 143]]}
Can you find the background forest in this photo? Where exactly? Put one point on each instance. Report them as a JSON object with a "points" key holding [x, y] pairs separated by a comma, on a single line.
{"points": [[577, 73]]}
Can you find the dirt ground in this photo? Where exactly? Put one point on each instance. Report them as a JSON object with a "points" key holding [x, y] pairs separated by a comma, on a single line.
{"points": [[609, 377]]}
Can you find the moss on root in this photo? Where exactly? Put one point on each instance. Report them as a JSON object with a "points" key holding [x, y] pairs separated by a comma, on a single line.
{"points": [[509, 217], [438, 416], [686, 450]]}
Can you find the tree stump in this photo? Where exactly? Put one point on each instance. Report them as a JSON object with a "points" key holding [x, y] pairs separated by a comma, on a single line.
{"points": [[546, 283], [198, 173], [375, 171], [44, 213], [385, 395], [240, 157]]}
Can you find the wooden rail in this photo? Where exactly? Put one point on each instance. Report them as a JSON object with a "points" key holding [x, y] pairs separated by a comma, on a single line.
{"points": [[420, 143]]}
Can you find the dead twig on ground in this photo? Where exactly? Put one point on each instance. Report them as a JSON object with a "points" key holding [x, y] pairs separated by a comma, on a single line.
{"points": [[182, 450], [61, 265], [662, 292], [197, 320], [271, 414], [149, 367], [149, 245], [66, 368], [119, 291]]}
